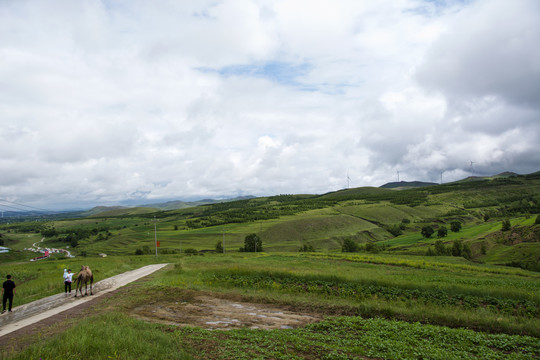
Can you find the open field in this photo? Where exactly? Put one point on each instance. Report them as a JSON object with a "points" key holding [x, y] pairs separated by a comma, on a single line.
{"points": [[383, 306]]}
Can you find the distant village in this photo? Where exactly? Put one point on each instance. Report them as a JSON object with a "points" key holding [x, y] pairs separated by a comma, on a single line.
{"points": [[48, 252]]}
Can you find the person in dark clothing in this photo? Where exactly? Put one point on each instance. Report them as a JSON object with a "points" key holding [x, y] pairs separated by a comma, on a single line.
{"points": [[8, 290]]}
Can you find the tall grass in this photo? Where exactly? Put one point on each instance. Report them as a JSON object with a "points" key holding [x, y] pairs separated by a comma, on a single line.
{"points": [[108, 336]]}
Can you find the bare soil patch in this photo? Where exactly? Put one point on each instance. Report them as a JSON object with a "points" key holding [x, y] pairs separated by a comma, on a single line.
{"points": [[211, 312]]}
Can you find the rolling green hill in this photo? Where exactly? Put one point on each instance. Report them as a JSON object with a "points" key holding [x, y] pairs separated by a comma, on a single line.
{"points": [[101, 211], [375, 219], [178, 204]]}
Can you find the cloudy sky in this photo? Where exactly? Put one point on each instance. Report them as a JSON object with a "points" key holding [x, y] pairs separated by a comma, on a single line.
{"points": [[115, 101]]}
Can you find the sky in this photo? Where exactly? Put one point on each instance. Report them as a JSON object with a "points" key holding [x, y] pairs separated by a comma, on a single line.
{"points": [[131, 101]]}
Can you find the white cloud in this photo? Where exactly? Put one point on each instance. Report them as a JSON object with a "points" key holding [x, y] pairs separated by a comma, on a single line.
{"points": [[488, 51], [134, 100]]}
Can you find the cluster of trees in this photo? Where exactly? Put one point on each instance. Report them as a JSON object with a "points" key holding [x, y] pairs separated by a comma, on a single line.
{"points": [[522, 207], [350, 246], [506, 225], [411, 197], [428, 230], [227, 218], [458, 248], [245, 210], [49, 232], [306, 248], [219, 247], [73, 236], [530, 265], [517, 202], [145, 250], [191, 251], [397, 229], [252, 243]]}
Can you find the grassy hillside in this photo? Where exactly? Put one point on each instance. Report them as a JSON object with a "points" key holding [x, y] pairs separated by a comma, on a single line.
{"points": [[390, 219]]}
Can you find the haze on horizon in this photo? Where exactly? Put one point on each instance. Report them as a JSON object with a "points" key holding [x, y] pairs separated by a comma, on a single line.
{"points": [[117, 101]]}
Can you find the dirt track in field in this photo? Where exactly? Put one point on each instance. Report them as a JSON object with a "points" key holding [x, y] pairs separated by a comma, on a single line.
{"points": [[210, 312]]}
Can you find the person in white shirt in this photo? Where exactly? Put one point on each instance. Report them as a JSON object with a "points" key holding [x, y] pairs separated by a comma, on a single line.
{"points": [[68, 275]]}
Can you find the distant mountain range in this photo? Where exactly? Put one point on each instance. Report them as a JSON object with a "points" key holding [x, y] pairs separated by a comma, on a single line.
{"points": [[179, 204], [149, 208]]}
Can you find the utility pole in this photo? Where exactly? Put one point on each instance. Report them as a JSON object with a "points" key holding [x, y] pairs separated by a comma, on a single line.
{"points": [[155, 233]]}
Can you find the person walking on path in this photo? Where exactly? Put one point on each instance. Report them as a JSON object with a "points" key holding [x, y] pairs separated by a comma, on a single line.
{"points": [[8, 290], [68, 275]]}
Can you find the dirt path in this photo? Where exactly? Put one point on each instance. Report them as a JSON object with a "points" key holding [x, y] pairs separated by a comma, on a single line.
{"points": [[219, 313], [39, 310]]}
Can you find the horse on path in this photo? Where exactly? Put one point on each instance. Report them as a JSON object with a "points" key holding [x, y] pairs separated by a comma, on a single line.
{"points": [[84, 276]]}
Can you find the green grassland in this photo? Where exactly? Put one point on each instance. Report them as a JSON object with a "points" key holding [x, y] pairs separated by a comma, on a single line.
{"points": [[381, 301], [375, 306], [288, 222]]}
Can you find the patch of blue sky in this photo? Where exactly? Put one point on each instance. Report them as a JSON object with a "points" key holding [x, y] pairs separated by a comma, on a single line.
{"points": [[436, 7], [283, 73], [206, 13]]}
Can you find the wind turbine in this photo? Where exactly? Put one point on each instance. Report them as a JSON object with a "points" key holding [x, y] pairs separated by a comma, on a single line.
{"points": [[472, 168], [348, 179]]}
